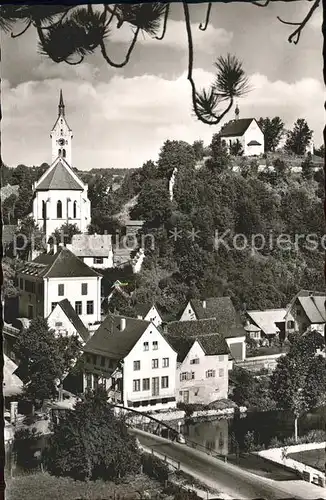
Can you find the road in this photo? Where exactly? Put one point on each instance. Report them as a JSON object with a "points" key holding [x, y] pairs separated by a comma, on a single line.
{"points": [[227, 478]]}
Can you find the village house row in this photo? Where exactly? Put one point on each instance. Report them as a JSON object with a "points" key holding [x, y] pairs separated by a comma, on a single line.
{"points": [[141, 361]]}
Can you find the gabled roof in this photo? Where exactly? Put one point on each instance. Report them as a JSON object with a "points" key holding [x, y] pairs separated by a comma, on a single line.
{"points": [[59, 178], [110, 341], [202, 327], [63, 264], [253, 143], [143, 309], [313, 304], [212, 345], [91, 245], [74, 319], [266, 320], [220, 308], [235, 127]]}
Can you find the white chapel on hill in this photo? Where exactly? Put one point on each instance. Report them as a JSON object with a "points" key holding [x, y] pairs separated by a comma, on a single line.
{"points": [[60, 196]]}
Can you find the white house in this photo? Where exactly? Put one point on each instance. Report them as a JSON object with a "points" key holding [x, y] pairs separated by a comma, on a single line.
{"points": [[94, 249], [202, 369], [65, 322], [133, 361], [60, 196], [50, 278], [306, 312], [213, 315], [271, 322], [148, 312], [247, 132]]}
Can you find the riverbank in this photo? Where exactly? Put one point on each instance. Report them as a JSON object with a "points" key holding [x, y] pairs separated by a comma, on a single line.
{"points": [[292, 458]]}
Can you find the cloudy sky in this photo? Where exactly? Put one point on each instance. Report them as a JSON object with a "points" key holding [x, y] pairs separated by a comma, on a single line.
{"points": [[121, 117]]}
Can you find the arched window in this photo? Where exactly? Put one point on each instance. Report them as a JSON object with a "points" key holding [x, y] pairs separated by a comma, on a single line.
{"points": [[75, 210], [61, 131], [59, 152], [59, 210], [64, 153], [43, 210]]}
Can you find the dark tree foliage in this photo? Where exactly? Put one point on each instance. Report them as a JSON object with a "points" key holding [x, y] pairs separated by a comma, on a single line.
{"points": [[236, 148], [273, 130], [64, 234], [44, 359], [175, 154], [90, 442], [299, 137]]}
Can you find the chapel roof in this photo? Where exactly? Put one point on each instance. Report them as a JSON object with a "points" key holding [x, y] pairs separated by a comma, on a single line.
{"points": [[235, 127], [59, 178]]}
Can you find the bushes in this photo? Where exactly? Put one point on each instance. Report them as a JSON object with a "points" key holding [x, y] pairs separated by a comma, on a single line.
{"points": [[155, 467], [189, 409], [314, 436]]}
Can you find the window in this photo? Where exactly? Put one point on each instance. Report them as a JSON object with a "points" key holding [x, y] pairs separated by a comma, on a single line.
{"points": [[298, 311], [155, 345], [29, 286], [94, 359], [164, 382], [88, 381], [221, 358], [98, 260], [53, 304], [154, 363], [43, 210], [59, 210], [146, 346], [192, 375], [165, 362], [21, 283], [78, 307], [183, 376], [290, 324], [84, 288], [136, 365], [74, 210], [61, 290], [58, 323], [194, 361], [102, 361], [90, 307], [95, 378], [210, 373], [146, 384], [136, 385], [221, 372], [64, 153]]}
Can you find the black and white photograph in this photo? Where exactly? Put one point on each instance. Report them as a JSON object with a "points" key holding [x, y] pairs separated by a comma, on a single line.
{"points": [[163, 250]]}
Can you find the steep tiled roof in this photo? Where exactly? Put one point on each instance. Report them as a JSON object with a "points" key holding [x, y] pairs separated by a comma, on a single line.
{"points": [[212, 345], [143, 309], [91, 245], [110, 341], [220, 308], [266, 320], [235, 127], [202, 327], [314, 307], [59, 177], [63, 264], [74, 319]]}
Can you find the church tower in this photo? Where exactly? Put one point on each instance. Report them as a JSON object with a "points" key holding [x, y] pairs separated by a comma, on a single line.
{"points": [[61, 135]]}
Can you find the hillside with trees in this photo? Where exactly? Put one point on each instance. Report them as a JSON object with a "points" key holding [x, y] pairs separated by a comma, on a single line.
{"points": [[215, 200]]}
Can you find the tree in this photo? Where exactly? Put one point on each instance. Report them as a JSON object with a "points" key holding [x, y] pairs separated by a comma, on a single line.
{"points": [[307, 168], [299, 137], [281, 169], [8, 209], [236, 148], [90, 442], [320, 151], [273, 130], [219, 160], [28, 238], [153, 204], [175, 154], [44, 359], [198, 147], [299, 378], [64, 234], [9, 289]]}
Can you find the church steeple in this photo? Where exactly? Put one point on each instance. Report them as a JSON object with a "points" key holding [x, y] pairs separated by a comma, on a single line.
{"points": [[61, 105], [61, 135]]}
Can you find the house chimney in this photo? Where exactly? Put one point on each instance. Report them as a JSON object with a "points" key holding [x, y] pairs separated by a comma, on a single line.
{"points": [[204, 304], [122, 324]]}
